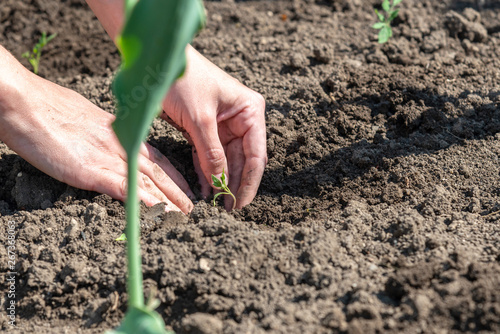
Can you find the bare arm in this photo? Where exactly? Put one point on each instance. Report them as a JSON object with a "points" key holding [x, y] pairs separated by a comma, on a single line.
{"points": [[110, 13], [66, 136], [13, 77]]}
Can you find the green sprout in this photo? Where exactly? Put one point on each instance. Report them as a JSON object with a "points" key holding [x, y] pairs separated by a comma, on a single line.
{"points": [[385, 20], [34, 56], [221, 183], [122, 237], [153, 40]]}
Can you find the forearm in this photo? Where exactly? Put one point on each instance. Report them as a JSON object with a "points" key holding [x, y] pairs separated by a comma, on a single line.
{"points": [[110, 13]]}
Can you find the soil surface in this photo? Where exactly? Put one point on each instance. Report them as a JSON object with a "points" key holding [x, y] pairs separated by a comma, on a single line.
{"points": [[379, 209]]}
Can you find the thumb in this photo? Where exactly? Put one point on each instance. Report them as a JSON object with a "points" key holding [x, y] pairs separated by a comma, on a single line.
{"points": [[211, 154]]}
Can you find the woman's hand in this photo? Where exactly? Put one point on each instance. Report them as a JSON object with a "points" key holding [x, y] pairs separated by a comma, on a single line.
{"points": [[225, 123], [67, 137]]}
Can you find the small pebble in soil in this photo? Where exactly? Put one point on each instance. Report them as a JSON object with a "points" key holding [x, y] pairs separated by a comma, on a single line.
{"points": [[203, 265]]}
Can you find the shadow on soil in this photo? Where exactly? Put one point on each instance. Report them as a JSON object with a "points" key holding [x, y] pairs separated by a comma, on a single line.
{"points": [[416, 122]]}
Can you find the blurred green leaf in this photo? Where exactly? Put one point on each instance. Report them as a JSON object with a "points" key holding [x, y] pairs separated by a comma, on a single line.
{"points": [[35, 55], [141, 320], [384, 34], [153, 56], [386, 5], [380, 15], [393, 15], [122, 237], [152, 45]]}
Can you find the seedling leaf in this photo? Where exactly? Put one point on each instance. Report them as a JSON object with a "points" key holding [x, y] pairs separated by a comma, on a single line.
{"points": [[51, 37], [386, 5], [122, 237], [384, 24], [384, 34], [393, 15], [35, 55], [223, 186], [216, 182], [153, 52], [223, 179]]}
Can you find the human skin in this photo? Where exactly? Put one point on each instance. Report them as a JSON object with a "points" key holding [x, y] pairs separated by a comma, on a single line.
{"points": [[70, 139]]}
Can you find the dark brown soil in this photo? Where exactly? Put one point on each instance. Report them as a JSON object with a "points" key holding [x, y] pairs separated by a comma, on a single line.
{"points": [[379, 209]]}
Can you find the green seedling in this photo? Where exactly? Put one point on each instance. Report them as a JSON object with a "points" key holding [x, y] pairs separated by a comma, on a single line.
{"points": [[122, 237], [152, 45], [384, 24], [221, 183], [35, 55]]}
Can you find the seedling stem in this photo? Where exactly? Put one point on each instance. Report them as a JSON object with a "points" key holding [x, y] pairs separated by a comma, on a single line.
{"points": [[384, 24], [221, 183], [34, 56]]}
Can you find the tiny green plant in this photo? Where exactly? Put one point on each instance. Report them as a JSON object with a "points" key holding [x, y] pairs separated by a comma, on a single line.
{"points": [[384, 24], [122, 237], [35, 55], [221, 183]]}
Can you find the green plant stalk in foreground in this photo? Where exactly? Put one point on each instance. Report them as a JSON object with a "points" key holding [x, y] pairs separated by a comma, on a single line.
{"points": [[152, 45], [384, 24], [221, 183], [34, 56]]}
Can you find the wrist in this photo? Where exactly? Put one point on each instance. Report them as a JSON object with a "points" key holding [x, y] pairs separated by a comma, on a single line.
{"points": [[13, 82], [13, 77]]}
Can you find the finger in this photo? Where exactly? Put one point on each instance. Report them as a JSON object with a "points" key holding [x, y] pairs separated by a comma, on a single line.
{"points": [[162, 186], [205, 186], [110, 183], [236, 162], [151, 195], [157, 157], [115, 185], [254, 147], [113, 182], [211, 155]]}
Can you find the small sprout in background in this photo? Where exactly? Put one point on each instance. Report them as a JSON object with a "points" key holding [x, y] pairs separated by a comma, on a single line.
{"points": [[222, 185], [34, 56], [122, 237], [384, 24]]}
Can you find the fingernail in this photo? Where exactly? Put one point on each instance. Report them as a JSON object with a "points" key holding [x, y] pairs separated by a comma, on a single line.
{"points": [[172, 208]]}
